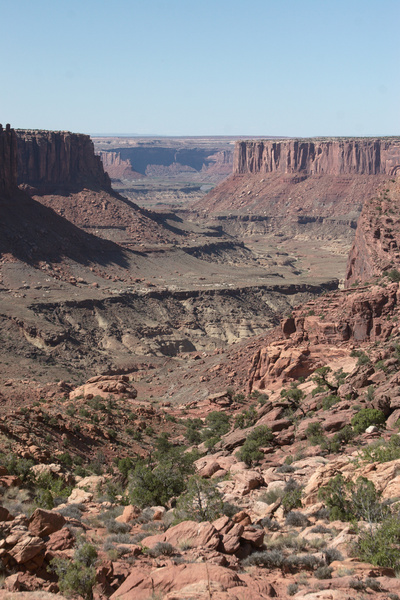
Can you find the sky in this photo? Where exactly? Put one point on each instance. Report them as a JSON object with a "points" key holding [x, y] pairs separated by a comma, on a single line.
{"points": [[296, 68]]}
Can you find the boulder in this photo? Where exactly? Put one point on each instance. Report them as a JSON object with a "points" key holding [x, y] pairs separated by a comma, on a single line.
{"points": [[202, 535], [44, 522], [130, 513]]}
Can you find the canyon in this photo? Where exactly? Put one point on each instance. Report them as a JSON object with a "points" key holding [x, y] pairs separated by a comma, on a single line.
{"points": [[132, 338]]}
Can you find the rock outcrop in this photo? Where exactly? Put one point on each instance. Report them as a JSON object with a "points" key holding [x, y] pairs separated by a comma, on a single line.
{"points": [[318, 157], [308, 181], [8, 161], [375, 248], [50, 161]]}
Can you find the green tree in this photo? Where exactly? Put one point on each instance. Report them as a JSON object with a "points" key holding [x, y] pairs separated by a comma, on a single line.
{"points": [[367, 417]]}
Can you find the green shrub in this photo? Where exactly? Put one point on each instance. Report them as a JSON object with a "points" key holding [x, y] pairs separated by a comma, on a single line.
{"points": [[315, 433], [79, 575], [291, 497], [380, 546], [246, 418], [349, 501], [193, 430], [21, 467], [217, 424], [250, 451], [367, 417], [382, 451], [394, 275]]}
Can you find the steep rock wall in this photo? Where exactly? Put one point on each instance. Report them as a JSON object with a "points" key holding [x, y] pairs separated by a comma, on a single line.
{"points": [[8, 161], [314, 157], [59, 160], [116, 167], [376, 247]]}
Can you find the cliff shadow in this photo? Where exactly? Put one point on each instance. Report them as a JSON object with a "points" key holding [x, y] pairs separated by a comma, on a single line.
{"points": [[32, 232]]}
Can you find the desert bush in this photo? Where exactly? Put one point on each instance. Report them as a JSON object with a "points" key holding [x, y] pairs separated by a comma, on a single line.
{"points": [[367, 417], [292, 589], [379, 545], [193, 430], [323, 572], [356, 584], [21, 467], [296, 519], [161, 549], [320, 529], [79, 575], [270, 524], [272, 559], [349, 501], [202, 501], [329, 401], [217, 424], [246, 418], [393, 275], [291, 497], [315, 433], [250, 451], [285, 468], [373, 584], [302, 561], [382, 451], [332, 554], [72, 511]]}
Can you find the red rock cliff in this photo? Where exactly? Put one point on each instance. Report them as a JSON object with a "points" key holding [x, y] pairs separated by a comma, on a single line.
{"points": [[314, 157], [59, 160], [8, 161], [376, 246]]}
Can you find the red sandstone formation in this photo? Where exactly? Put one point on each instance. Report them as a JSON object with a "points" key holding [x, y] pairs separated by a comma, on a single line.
{"points": [[59, 160], [304, 179], [8, 161], [117, 167], [375, 248], [315, 157]]}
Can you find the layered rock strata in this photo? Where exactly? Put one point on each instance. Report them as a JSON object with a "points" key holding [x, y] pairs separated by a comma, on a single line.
{"points": [[8, 161], [315, 157], [303, 179], [51, 161]]}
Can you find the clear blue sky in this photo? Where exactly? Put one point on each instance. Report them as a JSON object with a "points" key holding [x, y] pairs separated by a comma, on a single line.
{"points": [[202, 67]]}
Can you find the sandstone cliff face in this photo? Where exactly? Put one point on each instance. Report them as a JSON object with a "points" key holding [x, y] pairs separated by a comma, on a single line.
{"points": [[376, 246], [59, 160], [333, 157], [117, 167], [8, 161]]}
